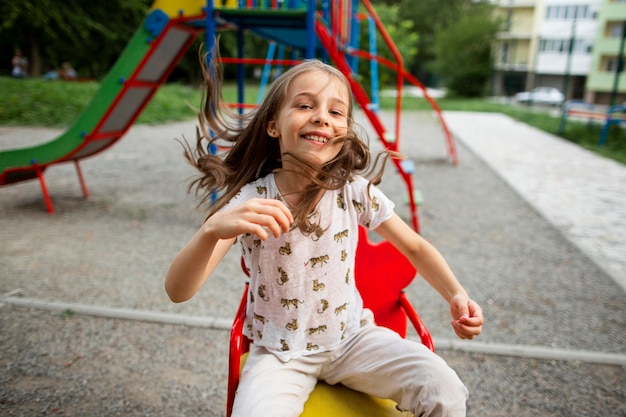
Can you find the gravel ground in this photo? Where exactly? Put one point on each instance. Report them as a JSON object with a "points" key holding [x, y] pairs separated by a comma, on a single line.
{"points": [[113, 250]]}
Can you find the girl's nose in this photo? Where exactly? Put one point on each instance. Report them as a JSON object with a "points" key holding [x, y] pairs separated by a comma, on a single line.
{"points": [[319, 119]]}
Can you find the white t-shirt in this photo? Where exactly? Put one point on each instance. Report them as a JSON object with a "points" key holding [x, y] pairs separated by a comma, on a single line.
{"points": [[303, 298]]}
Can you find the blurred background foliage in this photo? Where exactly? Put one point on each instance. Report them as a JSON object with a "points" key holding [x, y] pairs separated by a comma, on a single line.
{"points": [[433, 36]]}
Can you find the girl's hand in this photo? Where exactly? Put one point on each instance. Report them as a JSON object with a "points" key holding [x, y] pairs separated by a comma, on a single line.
{"points": [[467, 317], [257, 216]]}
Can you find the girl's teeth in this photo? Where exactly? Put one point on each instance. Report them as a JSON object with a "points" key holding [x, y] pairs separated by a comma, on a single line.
{"points": [[317, 139]]}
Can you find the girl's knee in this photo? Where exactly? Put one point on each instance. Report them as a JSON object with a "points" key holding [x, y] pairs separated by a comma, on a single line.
{"points": [[440, 393], [449, 398]]}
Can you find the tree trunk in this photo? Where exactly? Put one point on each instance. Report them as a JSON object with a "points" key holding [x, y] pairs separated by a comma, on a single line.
{"points": [[34, 67]]}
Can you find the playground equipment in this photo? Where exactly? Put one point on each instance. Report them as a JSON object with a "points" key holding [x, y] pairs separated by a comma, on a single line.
{"points": [[616, 115], [579, 109], [327, 29]]}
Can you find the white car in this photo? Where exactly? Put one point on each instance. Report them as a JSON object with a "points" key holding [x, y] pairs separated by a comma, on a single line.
{"points": [[541, 95]]}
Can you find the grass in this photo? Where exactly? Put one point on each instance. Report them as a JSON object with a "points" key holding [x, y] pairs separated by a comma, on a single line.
{"points": [[36, 102]]}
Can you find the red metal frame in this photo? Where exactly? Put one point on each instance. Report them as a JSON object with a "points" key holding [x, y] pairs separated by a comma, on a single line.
{"points": [[259, 61], [239, 344], [39, 170], [44, 187], [81, 179]]}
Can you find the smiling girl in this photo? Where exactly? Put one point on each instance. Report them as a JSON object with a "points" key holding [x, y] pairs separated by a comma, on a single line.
{"points": [[292, 192]]}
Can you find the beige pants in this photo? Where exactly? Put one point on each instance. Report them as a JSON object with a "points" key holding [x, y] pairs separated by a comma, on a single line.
{"points": [[376, 361]]}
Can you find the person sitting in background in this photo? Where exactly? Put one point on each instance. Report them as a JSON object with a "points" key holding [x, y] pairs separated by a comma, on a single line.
{"points": [[20, 65], [50, 74], [67, 72]]}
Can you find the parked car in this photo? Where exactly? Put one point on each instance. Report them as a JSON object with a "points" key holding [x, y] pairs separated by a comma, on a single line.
{"points": [[541, 95]]}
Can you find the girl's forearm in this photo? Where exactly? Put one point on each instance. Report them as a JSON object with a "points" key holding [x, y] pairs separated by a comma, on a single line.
{"points": [[432, 266], [191, 267], [425, 257]]}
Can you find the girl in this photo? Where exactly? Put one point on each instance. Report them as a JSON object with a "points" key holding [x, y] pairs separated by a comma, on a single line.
{"points": [[292, 192]]}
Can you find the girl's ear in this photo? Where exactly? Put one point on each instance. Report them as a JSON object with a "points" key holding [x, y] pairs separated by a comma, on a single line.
{"points": [[271, 129]]}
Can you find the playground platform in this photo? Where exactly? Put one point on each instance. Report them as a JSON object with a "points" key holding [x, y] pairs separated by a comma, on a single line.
{"points": [[91, 331]]}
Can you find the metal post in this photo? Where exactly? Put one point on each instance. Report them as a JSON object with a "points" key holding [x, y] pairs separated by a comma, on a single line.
{"points": [[210, 30], [620, 65], [567, 75], [310, 31], [373, 63], [241, 70]]}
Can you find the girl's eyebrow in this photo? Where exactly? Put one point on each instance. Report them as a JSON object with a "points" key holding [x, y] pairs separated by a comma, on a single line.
{"points": [[309, 95]]}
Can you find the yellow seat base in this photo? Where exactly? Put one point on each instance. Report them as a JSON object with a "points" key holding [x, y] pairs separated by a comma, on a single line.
{"points": [[339, 401]]}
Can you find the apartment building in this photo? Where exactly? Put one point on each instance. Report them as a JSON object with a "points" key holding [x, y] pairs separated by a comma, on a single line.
{"points": [[566, 39], [604, 84], [545, 43], [516, 46]]}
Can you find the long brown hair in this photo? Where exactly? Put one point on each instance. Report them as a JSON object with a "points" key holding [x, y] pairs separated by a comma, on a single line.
{"points": [[250, 153]]}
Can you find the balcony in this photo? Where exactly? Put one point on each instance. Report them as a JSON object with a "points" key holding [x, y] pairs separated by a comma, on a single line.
{"points": [[513, 4]]}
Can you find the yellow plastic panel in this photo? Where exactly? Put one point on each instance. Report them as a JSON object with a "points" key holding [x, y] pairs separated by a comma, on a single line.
{"points": [[339, 401], [172, 8]]}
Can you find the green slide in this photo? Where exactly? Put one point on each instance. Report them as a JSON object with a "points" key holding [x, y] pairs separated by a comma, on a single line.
{"points": [[143, 66]]}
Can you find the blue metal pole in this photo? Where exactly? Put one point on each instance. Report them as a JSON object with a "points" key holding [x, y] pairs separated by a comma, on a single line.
{"points": [[241, 76], [373, 62], [280, 56], [354, 36], [266, 72], [310, 31], [210, 30]]}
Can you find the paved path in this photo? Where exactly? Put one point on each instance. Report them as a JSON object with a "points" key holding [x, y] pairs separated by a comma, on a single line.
{"points": [[581, 193]]}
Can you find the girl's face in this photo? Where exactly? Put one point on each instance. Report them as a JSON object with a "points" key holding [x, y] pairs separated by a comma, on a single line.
{"points": [[315, 112]]}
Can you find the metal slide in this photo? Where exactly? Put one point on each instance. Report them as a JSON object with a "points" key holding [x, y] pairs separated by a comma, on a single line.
{"points": [[141, 69]]}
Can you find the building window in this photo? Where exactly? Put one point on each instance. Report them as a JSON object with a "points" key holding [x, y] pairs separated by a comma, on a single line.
{"points": [[582, 46], [569, 12], [614, 29], [609, 63], [508, 22]]}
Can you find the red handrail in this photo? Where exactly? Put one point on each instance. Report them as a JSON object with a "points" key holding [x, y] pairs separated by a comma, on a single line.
{"points": [[399, 62], [402, 74]]}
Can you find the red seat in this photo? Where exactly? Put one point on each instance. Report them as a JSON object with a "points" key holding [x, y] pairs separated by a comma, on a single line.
{"points": [[382, 273]]}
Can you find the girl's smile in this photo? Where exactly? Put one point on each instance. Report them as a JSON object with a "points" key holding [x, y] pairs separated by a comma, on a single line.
{"points": [[319, 138]]}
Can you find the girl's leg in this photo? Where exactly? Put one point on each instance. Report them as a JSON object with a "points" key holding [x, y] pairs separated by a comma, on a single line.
{"points": [[380, 363], [271, 388]]}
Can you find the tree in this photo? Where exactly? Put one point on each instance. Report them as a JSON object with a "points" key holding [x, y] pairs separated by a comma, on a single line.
{"points": [[403, 34], [428, 16], [89, 34], [463, 50]]}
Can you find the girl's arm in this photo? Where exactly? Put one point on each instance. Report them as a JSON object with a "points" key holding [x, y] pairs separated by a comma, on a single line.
{"points": [[193, 265], [466, 313], [198, 259]]}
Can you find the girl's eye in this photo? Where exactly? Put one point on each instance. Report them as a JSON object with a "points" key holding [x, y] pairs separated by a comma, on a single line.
{"points": [[304, 106]]}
